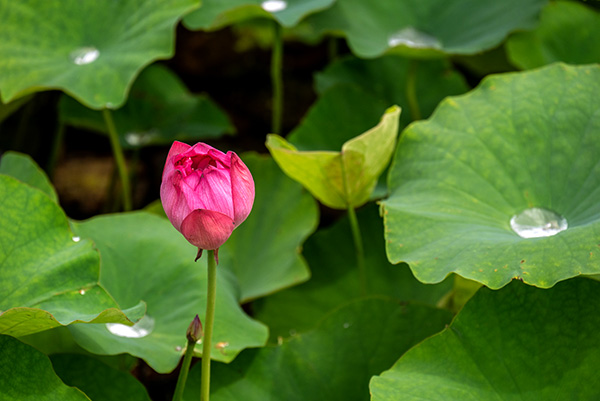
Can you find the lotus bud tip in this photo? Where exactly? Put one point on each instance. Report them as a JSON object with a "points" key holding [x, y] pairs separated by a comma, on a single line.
{"points": [[194, 331]]}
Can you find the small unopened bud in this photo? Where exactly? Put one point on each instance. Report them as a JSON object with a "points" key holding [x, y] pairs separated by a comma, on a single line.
{"points": [[194, 332]]}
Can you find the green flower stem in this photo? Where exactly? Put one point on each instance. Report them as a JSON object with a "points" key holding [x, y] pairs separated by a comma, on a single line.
{"points": [[411, 90], [277, 78], [333, 48], [111, 204], [185, 368], [358, 244], [133, 166], [360, 252], [119, 158], [209, 321], [56, 145]]}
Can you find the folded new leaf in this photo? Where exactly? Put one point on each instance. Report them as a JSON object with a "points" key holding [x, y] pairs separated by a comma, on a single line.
{"points": [[341, 179]]}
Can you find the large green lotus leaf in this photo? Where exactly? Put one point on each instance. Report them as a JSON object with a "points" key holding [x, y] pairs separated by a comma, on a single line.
{"points": [[425, 27], [159, 110], [335, 278], [519, 142], [346, 178], [27, 375], [385, 78], [214, 14], [264, 252], [65, 309], [144, 258], [23, 168], [91, 50], [48, 277], [568, 32], [333, 362], [97, 380], [519, 343]]}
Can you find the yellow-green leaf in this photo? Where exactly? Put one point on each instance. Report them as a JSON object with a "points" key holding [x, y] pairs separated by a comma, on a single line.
{"points": [[341, 179]]}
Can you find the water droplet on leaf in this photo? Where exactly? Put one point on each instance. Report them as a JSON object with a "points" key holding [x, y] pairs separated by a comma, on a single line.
{"points": [[139, 138], [76, 239], [85, 55], [537, 222], [411, 37], [138, 330], [273, 6]]}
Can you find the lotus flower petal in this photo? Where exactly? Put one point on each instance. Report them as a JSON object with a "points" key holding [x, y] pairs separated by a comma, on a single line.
{"points": [[242, 190], [207, 229], [205, 193]]}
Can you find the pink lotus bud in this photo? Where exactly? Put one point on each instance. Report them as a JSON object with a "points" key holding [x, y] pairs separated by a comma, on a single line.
{"points": [[205, 193]]}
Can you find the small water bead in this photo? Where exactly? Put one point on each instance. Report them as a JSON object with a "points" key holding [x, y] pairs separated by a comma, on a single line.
{"points": [[414, 38], [537, 222], [140, 138], [85, 55], [273, 6], [138, 330], [76, 239], [82, 291]]}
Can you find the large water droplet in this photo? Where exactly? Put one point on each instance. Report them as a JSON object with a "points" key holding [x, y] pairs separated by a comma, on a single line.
{"points": [[138, 330], [536, 222], [273, 6], [85, 55], [414, 38]]}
